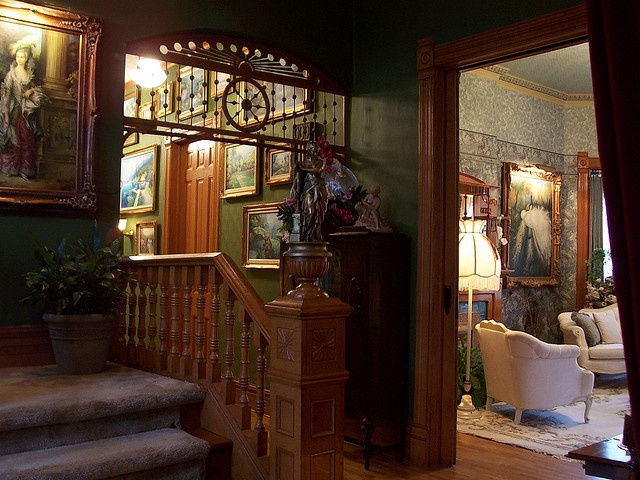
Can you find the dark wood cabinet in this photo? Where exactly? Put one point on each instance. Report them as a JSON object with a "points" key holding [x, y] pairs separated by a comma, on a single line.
{"points": [[370, 272]]}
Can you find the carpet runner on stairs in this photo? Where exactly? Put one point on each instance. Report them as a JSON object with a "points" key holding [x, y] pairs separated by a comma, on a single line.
{"points": [[121, 423]]}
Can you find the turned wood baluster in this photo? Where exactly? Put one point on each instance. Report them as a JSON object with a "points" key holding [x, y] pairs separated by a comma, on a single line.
{"points": [[202, 276], [174, 332], [164, 320], [243, 381], [152, 359], [214, 367], [260, 407], [141, 350], [229, 354], [187, 303], [119, 352], [131, 322]]}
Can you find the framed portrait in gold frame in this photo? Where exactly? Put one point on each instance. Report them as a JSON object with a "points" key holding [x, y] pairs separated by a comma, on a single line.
{"points": [[531, 199], [58, 176]]}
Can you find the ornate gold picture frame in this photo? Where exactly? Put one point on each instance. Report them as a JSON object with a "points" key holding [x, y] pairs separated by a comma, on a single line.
{"points": [[55, 175], [531, 200]]}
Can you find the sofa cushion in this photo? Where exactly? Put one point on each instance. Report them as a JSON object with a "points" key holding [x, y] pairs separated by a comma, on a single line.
{"points": [[608, 326], [607, 351], [591, 332]]}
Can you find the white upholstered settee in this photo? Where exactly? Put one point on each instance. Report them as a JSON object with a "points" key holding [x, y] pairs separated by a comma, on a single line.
{"points": [[599, 337], [530, 374]]}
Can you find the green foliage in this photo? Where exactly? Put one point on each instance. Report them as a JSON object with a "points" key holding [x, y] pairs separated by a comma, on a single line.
{"points": [[285, 214], [595, 265], [478, 387], [80, 278]]}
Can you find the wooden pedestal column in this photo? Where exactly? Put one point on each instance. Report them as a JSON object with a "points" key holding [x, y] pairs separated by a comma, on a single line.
{"points": [[307, 381]]}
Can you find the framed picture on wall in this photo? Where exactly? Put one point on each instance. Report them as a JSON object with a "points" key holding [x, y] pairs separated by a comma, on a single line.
{"points": [[130, 139], [193, 92], [218, 82], [131, 100], [531, 199], [146, 238], [286, 100], [163, 100], [261, 236], [52, 172], [138, 180], [145, 111], [240, 170], [278, 166]]}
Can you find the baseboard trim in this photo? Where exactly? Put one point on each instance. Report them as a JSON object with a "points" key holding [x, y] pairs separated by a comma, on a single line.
{"points": [[25, 346]]}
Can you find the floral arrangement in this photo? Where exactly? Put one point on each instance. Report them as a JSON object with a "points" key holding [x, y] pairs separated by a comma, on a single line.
{"points": [[341, 208], [600, 294], [325, 151]]}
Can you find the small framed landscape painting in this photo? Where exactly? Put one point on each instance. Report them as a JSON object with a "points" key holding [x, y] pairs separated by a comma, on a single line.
{"points": [[261, 236], [278, 166], [240, 170]]}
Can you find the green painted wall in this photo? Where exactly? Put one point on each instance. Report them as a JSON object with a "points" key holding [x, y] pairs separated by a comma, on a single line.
{"points": [[384, 113]]}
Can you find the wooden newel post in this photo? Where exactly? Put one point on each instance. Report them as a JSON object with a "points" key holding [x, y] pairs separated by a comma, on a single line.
{"points": [[307, 377]]}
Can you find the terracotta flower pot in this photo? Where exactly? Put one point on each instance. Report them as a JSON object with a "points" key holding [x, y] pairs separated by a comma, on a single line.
{"points": [[80, 342]]}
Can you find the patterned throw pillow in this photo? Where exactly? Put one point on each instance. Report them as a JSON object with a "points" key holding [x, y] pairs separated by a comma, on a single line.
{"points": [[591, 332]]}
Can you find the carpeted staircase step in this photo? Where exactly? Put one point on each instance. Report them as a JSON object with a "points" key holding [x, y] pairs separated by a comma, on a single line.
{"points": [[166, 454], [41, 409]]}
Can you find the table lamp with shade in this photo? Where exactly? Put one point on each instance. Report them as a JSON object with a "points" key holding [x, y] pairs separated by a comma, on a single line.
{"points": [[479, 269]]}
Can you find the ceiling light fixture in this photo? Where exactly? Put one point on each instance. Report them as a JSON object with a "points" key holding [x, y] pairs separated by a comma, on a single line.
{"points": [[148, 73]]}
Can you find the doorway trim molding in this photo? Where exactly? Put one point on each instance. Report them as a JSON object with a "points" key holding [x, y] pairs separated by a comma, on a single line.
{"points": [[432, 434]]}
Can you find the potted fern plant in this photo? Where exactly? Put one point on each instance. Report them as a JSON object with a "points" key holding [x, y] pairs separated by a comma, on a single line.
{"points": [[78, 287]]}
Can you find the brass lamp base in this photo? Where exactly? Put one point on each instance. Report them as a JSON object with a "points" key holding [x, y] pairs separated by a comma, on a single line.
{"points": [[466, 410]]}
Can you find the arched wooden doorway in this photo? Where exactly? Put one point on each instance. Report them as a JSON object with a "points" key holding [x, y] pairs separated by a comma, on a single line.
{"points": [[432, 434]]}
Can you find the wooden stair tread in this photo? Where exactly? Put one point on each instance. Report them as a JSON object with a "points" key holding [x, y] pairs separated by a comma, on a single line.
{"points": [[108, 457]]}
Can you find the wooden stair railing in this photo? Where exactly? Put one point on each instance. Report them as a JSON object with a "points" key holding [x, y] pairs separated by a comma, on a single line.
{"points": [[196, 316]]}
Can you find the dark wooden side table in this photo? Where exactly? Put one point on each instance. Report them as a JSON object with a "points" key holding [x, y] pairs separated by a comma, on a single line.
{"points": [[606, 459]]}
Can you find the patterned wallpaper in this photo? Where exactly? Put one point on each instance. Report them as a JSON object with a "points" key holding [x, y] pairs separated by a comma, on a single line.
{"points": [[499, 125]]}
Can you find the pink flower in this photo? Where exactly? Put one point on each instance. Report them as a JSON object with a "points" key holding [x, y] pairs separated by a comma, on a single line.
{"points": [[290, 202]]}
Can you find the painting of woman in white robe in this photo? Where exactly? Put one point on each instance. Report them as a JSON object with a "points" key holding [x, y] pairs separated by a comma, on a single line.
{"points": [[531, 196]]}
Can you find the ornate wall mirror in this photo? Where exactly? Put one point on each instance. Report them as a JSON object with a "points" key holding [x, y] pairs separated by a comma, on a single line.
{"points": [[46, 164]]}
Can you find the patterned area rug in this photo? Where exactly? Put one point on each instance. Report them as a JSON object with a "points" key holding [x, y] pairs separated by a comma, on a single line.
{"points": [[556, 432]]}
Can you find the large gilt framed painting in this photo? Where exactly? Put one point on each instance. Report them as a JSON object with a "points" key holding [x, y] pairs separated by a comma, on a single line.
{"points": [[531, 201], [47, 66]]}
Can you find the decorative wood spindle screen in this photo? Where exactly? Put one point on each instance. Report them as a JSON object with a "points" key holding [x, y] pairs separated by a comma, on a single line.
{"points": [[234, 91]]}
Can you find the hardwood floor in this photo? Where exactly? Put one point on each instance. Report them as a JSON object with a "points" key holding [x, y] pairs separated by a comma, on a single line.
{"points": [[478, 459]]}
